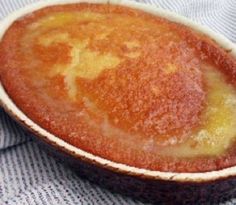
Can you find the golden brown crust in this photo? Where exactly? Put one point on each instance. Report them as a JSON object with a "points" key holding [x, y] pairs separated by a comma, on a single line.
{"points": [[125, 101]]}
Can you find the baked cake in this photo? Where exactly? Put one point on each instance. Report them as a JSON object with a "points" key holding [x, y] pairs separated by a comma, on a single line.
{"points": [[124, 85]]}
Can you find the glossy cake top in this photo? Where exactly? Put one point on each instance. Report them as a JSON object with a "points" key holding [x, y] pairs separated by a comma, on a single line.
{"points": [[124, 85]]}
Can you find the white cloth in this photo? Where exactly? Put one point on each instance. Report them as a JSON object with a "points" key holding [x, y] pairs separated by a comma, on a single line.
{"points": [[29, 176]]}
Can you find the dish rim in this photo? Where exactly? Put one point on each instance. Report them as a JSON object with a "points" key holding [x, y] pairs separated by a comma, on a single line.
{"points": [[16, 113]]}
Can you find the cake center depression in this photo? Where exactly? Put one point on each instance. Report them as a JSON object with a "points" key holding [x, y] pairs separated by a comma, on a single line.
{"points": [[148, 85]]}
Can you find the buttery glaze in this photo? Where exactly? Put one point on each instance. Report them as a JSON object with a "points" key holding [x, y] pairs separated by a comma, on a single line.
{"points": [[124, 85]]}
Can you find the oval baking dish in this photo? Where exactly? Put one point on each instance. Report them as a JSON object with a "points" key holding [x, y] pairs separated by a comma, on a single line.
{"points": [[145, 182]]}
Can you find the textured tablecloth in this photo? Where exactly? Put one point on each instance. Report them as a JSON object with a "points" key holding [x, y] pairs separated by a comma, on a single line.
{"points": [[29, 176]]}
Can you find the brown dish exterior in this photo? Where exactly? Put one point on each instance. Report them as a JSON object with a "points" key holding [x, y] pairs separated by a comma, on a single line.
{"points": [[124, 85]]}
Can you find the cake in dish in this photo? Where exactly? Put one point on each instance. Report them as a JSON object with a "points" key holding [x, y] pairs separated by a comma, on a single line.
{"points": [[124, 85]]}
